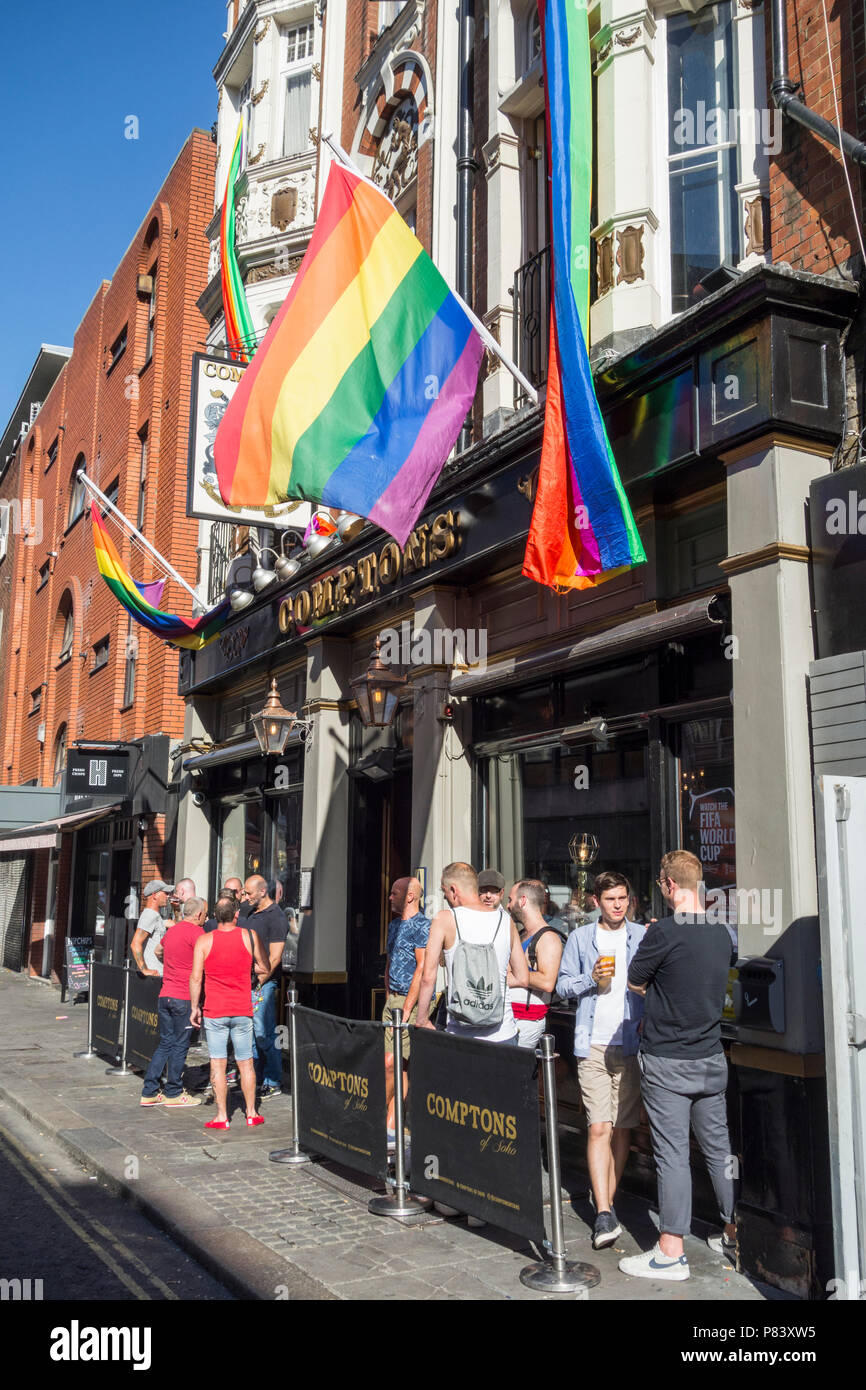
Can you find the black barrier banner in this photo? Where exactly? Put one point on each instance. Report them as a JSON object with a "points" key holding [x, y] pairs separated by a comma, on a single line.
{"points": [[142, 1031], [107, 1009], [476, 1136], [78, 950], [341, 1090]]}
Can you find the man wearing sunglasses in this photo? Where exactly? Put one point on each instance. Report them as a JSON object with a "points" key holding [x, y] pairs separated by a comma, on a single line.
{"points": [[682, 968]]}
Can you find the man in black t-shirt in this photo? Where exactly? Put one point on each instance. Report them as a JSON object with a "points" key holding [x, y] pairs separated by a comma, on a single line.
{"points": [[682, 967], [269, 923]]}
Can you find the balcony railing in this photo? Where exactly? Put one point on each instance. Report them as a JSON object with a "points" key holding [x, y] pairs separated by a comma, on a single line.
{"points": [[227, 541], [532, 320]]}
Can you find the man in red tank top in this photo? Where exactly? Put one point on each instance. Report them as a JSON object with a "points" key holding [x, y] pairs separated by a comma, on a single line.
{"points": [[225, 958]]}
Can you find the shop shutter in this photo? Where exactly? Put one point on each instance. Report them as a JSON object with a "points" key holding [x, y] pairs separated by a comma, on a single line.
{"points": [[13, 901]]}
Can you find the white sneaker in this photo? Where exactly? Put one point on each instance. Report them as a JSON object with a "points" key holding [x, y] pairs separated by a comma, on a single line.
{"points": [[475, 1221], [445, 1211], [720, 1244], [654, 1264]]}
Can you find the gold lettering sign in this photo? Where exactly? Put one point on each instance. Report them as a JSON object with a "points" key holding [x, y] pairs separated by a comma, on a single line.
{"points": [[145, 1016], [335, 593], [105, 1001], [459, 1112], [223, 371], [345, 1081]]}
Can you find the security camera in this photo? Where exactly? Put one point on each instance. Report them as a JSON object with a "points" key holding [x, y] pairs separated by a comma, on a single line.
{"points": [[198, 798]]}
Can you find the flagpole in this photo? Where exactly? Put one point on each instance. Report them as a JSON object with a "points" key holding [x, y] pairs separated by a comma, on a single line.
{"points": [[482, 330], [178, 578]]}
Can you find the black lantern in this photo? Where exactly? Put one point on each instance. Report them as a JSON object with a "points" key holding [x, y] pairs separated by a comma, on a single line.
{"points": [[273, 724], [377, 692]]}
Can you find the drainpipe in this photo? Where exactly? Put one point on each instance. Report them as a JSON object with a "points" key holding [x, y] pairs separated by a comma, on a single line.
{"points": [[466, 164], [783, 87]]}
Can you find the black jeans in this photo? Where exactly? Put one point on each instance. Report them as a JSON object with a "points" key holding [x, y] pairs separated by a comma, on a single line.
{"points": [[171, 1050]]}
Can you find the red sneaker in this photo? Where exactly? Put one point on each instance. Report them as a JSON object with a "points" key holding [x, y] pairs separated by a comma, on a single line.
{"points": [[255, 1119], [217, 1124]]}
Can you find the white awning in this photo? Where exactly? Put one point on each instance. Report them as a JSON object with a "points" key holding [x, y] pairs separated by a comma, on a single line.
{"points": [[47, 835]]}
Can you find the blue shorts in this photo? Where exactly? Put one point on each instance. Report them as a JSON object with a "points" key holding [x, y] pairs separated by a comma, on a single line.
{"points": [[239, 1029]]}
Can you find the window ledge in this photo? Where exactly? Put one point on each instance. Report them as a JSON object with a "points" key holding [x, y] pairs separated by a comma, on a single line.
{"points": [[63, 660], [111, 366], [144, 366]]}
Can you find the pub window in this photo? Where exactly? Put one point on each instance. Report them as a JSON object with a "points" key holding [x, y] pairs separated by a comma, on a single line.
{"points": [[44, 575], [36, 700], [52, 454], [703, 158], [77, 495], [65, 623], [706, 793], [59, 754], [117, 349], [129, 670], [100, 654], [297, 78]]}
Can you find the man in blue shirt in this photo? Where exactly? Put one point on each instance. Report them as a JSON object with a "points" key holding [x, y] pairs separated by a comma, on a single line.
{"points": [[593, 971], [407, 941]]}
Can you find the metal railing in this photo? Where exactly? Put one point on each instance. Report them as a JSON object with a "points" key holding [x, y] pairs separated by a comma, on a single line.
{"points": [[532, 320], [224, 549]]}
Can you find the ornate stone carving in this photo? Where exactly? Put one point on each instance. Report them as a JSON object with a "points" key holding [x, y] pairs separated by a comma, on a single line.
{"points": [[603, 52], [757, 216], [626, 37], [630, 254], [232, 643], [284, 207], [257, 96], [604, 264], [396, 162], [262, 30], [213, 260], [256, 158], [316, 70], [288, 265]]}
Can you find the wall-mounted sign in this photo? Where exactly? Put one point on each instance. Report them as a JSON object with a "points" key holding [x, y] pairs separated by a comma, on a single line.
{"points": [[214, 382], [100, 772], [373, 574]]}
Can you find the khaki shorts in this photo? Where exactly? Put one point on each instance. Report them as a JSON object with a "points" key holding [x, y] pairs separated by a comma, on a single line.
{"points": [[610, 1087], [396, 1001]]}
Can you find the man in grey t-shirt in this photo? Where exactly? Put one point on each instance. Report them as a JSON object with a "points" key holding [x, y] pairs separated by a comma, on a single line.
{"points": [[151, 927]]}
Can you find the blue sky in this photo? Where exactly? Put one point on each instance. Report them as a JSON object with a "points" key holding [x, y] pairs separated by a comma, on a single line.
{"points": [[76, 188]]}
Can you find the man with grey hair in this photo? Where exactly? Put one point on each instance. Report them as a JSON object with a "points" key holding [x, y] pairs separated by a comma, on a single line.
{"points": [[174, 1008]]}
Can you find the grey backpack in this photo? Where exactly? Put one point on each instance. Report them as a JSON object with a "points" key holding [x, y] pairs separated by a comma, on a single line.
{"points": [[476, 996]]}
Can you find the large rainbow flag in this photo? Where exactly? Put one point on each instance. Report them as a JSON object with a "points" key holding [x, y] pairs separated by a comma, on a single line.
{"points": [[139, 600], [240, 334], [356, 395], [582, 527]]}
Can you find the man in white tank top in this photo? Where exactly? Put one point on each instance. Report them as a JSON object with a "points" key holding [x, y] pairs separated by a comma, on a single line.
{"points": [[477, 924]]}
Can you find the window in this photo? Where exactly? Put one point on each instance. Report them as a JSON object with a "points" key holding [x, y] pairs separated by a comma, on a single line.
{"points": [[77, 495], [151, 314], [117, 349], [5, 523], [52, 454], [142, 476], [100, 654], [66, 626], [296, 121], [702, 148], [59, 754], [131, 658], [245, 108], [533, 38], [44, 575], [36, 700], [112, 493]]}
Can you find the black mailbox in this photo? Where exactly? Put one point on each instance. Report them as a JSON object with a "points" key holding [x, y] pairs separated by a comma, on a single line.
{"points": [[759, 994]]}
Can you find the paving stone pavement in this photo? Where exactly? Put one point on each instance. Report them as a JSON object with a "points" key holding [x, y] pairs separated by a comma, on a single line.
{"points": [[271, 1231]]}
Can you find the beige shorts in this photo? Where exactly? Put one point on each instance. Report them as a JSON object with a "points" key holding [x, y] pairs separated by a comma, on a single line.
{"points": [[610, 1087], [396, 1001]]}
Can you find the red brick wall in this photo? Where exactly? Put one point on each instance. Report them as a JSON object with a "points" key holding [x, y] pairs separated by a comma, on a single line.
{"points": [[99, 414], [811, 219]]}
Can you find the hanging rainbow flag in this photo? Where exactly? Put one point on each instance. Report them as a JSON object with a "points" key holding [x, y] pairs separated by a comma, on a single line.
{"points": [[240, 334], [139, 599], [583, 530], [357, 393]]}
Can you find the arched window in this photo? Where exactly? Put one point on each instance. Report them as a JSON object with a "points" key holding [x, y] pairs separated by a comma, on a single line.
{"points": [[77, 492], [65, 627], [533, 37], [59, 754]]}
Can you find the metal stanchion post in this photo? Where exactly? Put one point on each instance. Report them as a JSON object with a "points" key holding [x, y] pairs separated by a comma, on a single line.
{"points": [[400, 1203], [88, 1051], [123, 1069], [294, 1155], [559, 1275]]}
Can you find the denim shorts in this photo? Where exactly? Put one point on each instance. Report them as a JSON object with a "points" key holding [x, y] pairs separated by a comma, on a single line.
{"points": [[219, 1030]]}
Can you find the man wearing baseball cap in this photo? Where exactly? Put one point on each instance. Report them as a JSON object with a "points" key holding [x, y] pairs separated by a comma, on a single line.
{"points": [[491, 887], [151, 927]]}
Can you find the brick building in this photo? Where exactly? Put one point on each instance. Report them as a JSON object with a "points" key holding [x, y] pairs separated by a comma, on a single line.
{"points": [[77, 669]]}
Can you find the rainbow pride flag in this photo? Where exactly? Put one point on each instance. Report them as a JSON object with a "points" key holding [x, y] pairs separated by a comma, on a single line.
{"points": [[356, 395], [139, 599], [582, 530], [240, 334]]}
